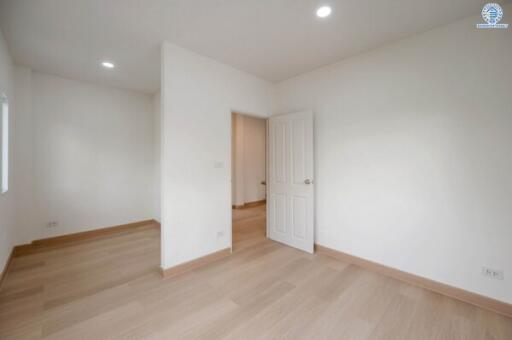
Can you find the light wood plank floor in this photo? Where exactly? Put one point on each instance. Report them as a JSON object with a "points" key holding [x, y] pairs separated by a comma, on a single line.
{"points": [[110, 288]]}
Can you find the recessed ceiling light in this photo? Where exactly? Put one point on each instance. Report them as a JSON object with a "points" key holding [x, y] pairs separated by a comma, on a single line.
{"points": [[323, 12], [107, 64]]}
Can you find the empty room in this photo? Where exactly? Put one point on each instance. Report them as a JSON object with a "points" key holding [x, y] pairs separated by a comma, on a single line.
{"points": [[259, 169]]}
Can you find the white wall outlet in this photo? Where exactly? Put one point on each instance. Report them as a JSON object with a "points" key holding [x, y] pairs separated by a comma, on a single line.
{"points": [[220, 234], [52, 224], [493, 273], [218, 164]]}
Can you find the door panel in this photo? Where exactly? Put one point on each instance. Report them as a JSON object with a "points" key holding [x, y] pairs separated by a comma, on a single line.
{"points": [[280, 152], [280, 213], [299, 208], [298, 152], [290, 182]]}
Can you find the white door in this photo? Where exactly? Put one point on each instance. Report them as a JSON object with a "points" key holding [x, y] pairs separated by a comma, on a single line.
{"points": [[290, 180]]}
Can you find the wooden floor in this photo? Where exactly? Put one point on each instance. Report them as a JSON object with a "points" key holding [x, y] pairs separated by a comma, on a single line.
{"points": [[111, 288]]}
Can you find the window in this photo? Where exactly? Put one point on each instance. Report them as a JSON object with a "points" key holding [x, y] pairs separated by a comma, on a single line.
{"points": [[4, 140]]}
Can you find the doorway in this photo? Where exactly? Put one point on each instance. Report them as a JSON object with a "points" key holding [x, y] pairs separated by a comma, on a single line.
{"points": [[273, 163], [248, 179]]}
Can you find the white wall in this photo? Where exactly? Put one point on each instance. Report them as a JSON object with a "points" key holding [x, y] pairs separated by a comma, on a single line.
{"points": [[255, 131], [249, 163], [198, 96], [7, 200], [23, 156], [237, 160], [92, 157], [413, 154]]}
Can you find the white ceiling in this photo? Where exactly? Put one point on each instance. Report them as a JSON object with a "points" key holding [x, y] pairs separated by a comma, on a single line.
{"points": [[273, 39]]}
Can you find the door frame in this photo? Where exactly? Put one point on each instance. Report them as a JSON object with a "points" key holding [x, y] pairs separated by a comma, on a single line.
{"points": [[230, 182], [267, 145]]}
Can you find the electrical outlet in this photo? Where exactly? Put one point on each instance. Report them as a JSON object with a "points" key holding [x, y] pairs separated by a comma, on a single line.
{"points": [[493, 273], [52, 224], [220, 234]]}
